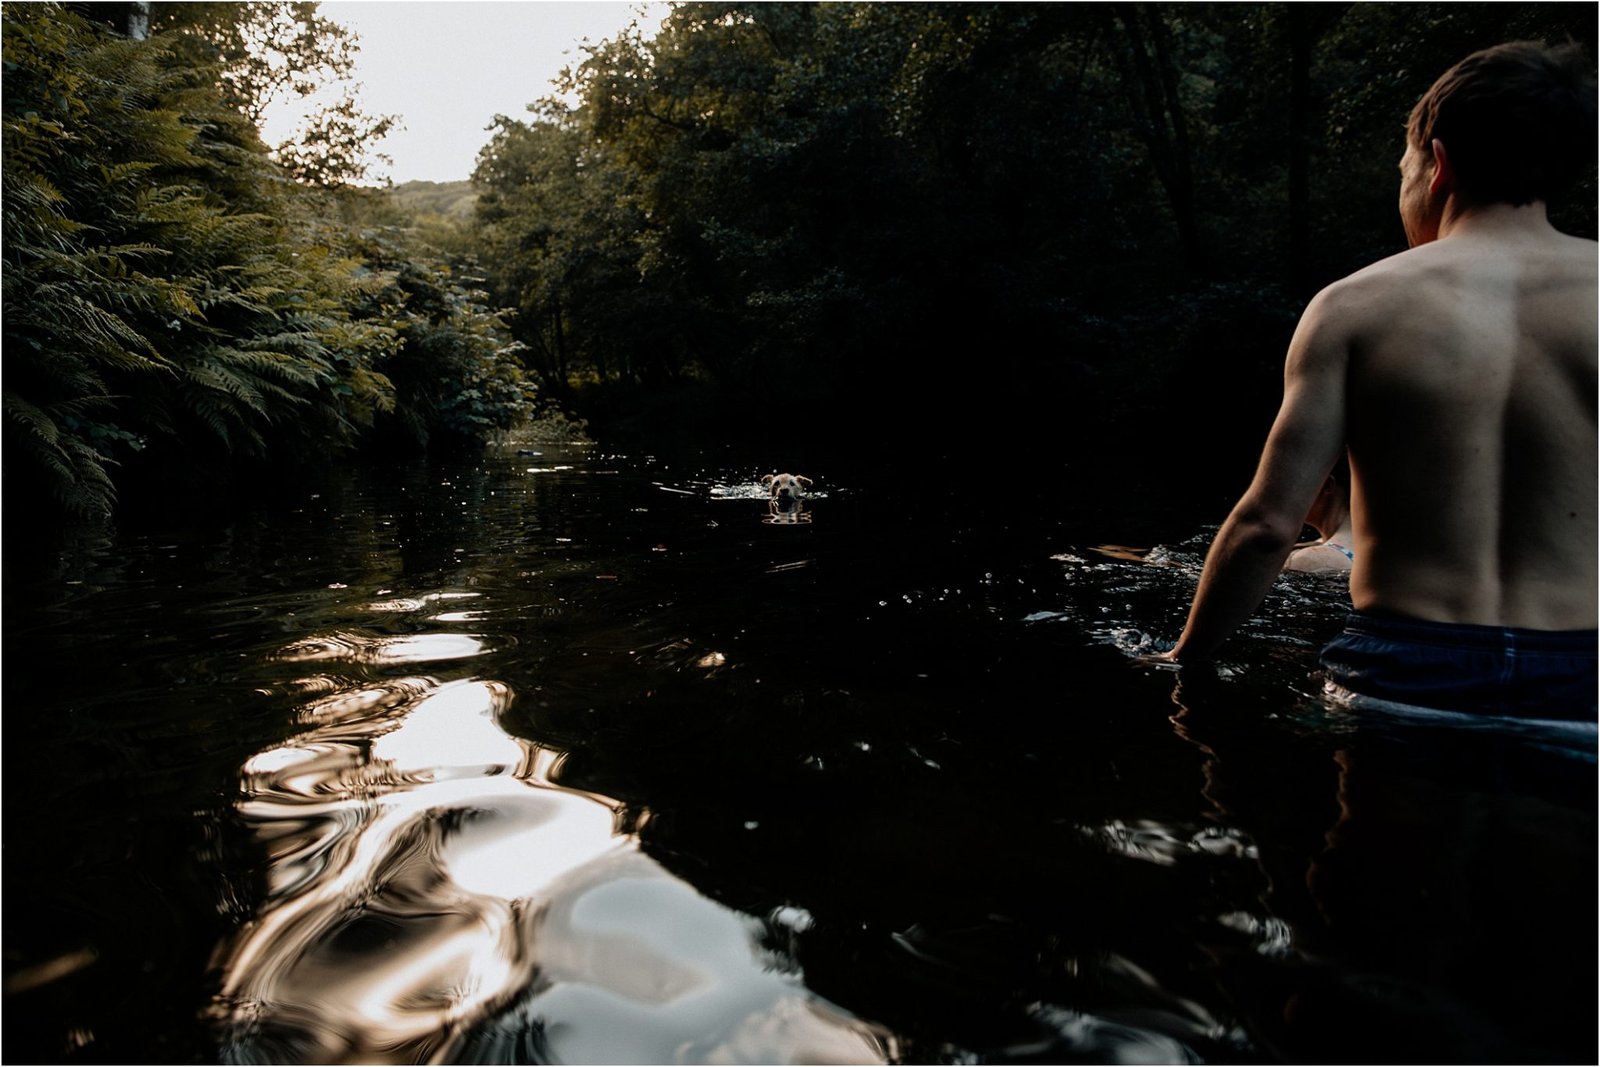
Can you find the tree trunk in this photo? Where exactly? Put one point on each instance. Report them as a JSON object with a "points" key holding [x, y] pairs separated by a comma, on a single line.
{"points": [[1152, 82], [130, 19], [564, 383], [1300, 44], [1307, 24]]}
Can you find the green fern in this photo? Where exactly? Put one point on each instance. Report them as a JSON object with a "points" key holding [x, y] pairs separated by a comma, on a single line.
{"points": [[165, 287]]}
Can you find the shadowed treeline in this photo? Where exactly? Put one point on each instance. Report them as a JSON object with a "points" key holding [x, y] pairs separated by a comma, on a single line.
{"points": [[1037, 237], [1066, 230]]}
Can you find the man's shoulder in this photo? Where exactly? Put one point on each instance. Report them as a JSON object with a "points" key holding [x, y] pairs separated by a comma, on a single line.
{"points": [[1381, 277], [1441, 271], [1374, 290], [1582, 256], [1456, 260], [1579, 248]]}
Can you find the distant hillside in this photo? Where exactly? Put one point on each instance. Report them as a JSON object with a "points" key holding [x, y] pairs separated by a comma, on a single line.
{"points": [[451, 200]]}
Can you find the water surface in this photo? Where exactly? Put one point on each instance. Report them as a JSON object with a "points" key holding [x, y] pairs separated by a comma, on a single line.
{"points": [[582, 757]]}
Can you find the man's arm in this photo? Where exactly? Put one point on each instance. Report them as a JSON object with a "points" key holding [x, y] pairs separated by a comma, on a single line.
{"points": [[1306, 439]]}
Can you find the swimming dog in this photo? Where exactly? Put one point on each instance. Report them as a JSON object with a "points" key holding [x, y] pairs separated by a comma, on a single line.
{"points": [[786, 488]]}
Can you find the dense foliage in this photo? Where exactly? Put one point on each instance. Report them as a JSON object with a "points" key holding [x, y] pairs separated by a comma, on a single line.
{"points": [[457, 376], [1054, 232], [1055, 226], [176, 306]]}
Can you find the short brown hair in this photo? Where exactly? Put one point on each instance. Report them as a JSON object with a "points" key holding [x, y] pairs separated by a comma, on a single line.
{"points": [[1518, 121]]}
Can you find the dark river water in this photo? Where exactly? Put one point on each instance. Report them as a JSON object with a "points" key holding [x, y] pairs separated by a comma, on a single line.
{"points": [[586, 758]]}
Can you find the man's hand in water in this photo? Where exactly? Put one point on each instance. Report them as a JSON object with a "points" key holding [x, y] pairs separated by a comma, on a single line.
{"points": [[1168, 661], [1194, 678], [1156, 652]]}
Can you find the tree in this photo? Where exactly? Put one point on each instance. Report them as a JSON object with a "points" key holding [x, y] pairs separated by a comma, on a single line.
{"points": [[1306, 26], [268, 51], [1044, 221], [154, 297], [457, 375], [1150, 74]]}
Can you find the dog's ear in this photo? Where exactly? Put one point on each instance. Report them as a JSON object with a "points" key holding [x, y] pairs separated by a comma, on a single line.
{"points": [[766, 479], [802, 478]]}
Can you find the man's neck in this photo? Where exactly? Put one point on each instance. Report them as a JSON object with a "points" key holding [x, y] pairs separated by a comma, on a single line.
{"points": [[1500, 221]]}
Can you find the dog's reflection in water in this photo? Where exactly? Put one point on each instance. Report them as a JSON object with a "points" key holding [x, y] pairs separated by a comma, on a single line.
{"points": [[789, 511]]}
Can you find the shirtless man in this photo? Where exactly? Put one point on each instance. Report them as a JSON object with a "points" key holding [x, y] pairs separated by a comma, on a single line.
{"points": [[1461, 375]]}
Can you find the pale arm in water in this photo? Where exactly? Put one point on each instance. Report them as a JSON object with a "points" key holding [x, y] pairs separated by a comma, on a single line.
{"points": [[1306, 439]]}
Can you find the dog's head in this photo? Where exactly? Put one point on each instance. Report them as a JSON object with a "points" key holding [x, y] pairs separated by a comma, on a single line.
{"points": [[786, 487]]}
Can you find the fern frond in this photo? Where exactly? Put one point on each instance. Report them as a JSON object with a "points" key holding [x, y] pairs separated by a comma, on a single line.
{"points": [[224, 380], [31, 417]]}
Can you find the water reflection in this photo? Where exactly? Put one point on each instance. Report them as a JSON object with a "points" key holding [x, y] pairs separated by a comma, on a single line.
{"points": [[432, 893], [636, 967], [398, 604], [911, 742], [788, 512], [384, 651], [1404, 858]]}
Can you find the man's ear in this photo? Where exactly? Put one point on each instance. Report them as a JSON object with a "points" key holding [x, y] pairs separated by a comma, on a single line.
{"points": [[1444, 172]]}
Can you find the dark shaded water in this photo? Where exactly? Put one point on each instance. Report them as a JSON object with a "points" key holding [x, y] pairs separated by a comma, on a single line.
{"points": [[588, 758]]}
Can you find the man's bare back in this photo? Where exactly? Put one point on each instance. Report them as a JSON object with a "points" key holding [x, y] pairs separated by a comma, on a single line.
{"points": [[1471, 424], [1460, 378]]}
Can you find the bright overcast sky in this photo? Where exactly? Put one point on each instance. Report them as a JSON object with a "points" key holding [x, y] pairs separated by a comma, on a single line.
{"points": [[447, 67]]}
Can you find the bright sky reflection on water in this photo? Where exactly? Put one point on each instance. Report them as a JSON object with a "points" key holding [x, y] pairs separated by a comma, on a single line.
{"points": [[411, 648], [434, 894]]}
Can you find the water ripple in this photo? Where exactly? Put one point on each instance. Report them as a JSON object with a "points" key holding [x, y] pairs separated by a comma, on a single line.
{"points": [[386, 651], [433, 893]]}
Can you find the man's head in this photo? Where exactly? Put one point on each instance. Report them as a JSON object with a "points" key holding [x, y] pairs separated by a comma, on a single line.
{"points": [[1517, 123]]}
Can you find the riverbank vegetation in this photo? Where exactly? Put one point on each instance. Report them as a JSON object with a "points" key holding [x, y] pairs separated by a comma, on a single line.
{"points": [[1039, 235], [181, 305], [1028, 233]]}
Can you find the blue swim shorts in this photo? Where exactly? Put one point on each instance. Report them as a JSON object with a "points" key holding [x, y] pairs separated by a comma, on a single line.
{"points": [[1483, 670]]}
